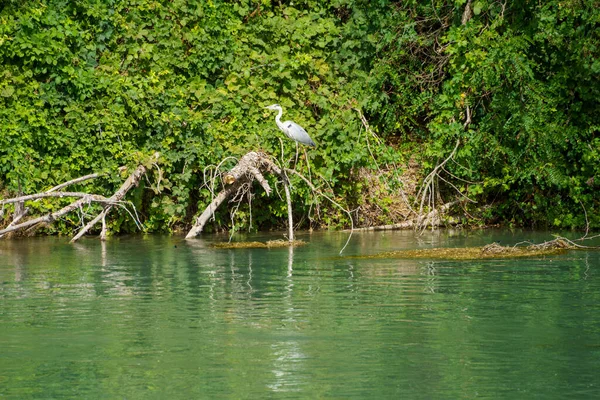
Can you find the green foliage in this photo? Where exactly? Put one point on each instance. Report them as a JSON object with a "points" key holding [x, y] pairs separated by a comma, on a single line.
{"points": [[92, 85], [88, 86], [528, 74]]}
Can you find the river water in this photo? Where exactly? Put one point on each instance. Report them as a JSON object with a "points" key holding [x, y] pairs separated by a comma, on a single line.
{"points": [[163, 318]]}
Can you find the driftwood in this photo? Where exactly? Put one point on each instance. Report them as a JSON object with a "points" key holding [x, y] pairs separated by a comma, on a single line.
{"points": [[21, 211], [249, 168], [432, 219], [132, 181], [83, 199], [51, 217]]}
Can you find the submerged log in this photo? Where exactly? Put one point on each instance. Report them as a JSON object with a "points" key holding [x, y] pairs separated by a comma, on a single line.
{"points": [[468, 253], [560, 245], [259, 245]]}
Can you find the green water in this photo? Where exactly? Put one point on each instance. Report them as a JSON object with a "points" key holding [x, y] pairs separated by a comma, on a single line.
{"points": [[162, 318]]}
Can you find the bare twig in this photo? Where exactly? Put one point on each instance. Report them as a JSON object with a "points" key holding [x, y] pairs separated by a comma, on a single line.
{"points": [[74, 181], [368, 131], [314, 189], [288, 199], [427, 191], [43, 195], [587, 222]]}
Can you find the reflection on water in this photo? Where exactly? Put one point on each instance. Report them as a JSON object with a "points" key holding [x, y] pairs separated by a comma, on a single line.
{"points": [[160, 317]]}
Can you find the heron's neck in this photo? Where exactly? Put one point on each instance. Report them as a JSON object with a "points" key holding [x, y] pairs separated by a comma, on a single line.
{"points": [[278, 119]]}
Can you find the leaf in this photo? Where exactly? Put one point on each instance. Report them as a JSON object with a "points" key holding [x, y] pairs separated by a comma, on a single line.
{"points": [[7, 91]]}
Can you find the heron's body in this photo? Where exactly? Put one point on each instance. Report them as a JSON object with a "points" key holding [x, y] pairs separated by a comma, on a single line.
{"points": [[291, 129]]}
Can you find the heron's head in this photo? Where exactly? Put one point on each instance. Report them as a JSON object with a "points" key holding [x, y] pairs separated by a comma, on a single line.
{"points": [[274, 107]]}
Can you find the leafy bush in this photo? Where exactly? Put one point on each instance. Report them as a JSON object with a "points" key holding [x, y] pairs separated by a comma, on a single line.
{"points": [[92, 85]]}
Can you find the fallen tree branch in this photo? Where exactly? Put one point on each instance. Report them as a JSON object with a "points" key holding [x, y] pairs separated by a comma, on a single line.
{"points": [[408, 224], [432, 218], [84, 198], [558, 242], [22, 211], [51, 217], [132, 181], [74, 181], [247, 170], [212, 207], [43, 195]]}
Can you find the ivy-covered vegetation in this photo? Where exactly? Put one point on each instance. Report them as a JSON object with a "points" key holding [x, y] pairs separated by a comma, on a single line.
{"points": [[92, 85]]}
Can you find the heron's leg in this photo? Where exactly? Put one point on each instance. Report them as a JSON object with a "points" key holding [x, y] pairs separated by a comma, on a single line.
{"points": [[307, 164], [297, 154]]}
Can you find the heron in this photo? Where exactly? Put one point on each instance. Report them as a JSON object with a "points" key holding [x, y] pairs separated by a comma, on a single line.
{"points": [[291, 129]]}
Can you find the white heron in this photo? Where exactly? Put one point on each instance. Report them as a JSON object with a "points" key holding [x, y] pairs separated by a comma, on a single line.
{"points": [[291, 129]]}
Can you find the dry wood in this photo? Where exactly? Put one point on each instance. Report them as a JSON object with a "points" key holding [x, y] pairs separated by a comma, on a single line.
{"points": [[335, 203], [132, 181], [51, 217], [16, 220], [248, 169], [428, 192], [21, 211], [409, 224], [74, 181], [42, 195], [84, 199], [431, 219], [467, 14], [212, 207], [245, 172], [369, 131], [288, 199]]}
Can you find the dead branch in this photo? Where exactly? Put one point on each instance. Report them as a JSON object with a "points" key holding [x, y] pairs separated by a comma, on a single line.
{"points": [[42, 195], [74, 181], [21, 211], [84, 199], [433, 218], [288, 199], [409, 224], [132, 181], [559, 242], [51, 217], [212, 207], [368, 131], [260, 179], [467, 14], [16, 219], [250, 168], [427, 193], [247, 170], [335, 203]]}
